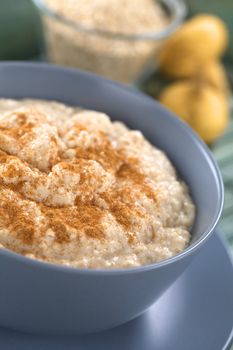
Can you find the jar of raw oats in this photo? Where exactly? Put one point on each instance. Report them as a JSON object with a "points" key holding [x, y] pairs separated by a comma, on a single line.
{"points": [[113, 38]]}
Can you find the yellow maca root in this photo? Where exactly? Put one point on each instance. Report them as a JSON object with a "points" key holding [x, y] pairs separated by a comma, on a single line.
{"points": [[214, 74], [202, 106], [210, 114], [175, 97], [203, 38]]}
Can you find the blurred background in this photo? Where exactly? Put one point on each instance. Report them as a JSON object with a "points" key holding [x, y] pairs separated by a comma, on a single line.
{"points": [[21, 35], [182, 50]]}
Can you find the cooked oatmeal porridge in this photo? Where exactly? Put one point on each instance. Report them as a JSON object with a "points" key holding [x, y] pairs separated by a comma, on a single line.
{"points": [[80, 190]]}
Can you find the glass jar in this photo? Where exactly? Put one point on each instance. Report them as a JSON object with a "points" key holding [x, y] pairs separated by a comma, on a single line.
{"points": [[118, 56]]}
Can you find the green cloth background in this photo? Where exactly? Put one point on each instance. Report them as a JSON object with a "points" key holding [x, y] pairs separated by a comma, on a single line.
{"points": [[223, 152], [20, 30]]}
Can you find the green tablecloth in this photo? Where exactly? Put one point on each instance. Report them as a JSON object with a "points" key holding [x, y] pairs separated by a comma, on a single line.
{"points": [[223, 152]]}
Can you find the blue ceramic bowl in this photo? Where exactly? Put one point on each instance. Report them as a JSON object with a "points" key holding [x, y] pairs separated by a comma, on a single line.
{"points": [[41, 297]]}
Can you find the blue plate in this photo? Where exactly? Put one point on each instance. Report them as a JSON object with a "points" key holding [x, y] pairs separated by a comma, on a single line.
{"points": [[196, 313]]}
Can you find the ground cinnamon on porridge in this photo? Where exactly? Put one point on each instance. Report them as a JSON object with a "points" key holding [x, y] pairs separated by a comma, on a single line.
{"points": [[79, 190]]}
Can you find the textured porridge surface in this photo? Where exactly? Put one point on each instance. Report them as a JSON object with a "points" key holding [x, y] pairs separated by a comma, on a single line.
{"points": [[79, 190]]}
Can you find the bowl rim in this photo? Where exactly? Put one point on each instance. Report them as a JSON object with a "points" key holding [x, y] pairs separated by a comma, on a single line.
{"points": [[177, 8], [192, 248]]}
